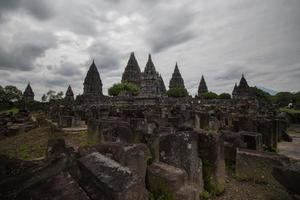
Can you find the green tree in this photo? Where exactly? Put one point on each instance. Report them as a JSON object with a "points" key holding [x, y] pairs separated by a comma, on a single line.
{"points": [[209, 95], [124, 86], [10, 94], [177, 92], [224, 96], [283, 98], [261, 95]]}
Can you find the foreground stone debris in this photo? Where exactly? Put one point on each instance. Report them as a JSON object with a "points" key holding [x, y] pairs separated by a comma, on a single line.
{"points": [[107, 179], [166, 181]]}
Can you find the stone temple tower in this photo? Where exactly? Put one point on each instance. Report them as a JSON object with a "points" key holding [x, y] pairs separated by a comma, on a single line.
{"points": [[202, 86], [151, 84], [69, 95], [176, 80], [132, 73], [28, 94], [92, 82], [242, 91], [162, 85]]}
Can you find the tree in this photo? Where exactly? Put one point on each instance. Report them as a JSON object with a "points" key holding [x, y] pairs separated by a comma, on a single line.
{"points": [[209, 95], [224, 96], [124, 86], [283, 98], [177, 92], [261, 95], [10, 94]]}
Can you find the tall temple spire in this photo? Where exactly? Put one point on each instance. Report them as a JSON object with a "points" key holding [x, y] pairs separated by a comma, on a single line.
{"points": [[234, 92], [176, 80], [162, 85], [243, 82], [150, 68], [92, 82], [69, 94], [132, 72], [202, 86], [28, 93]]}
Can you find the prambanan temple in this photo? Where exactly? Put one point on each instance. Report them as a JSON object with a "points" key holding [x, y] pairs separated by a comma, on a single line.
{"points": [[153, 146]]}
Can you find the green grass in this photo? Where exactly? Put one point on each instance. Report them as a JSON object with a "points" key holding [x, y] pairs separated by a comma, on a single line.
{"points": [[13, 110], [33, 144], [289, 110]]}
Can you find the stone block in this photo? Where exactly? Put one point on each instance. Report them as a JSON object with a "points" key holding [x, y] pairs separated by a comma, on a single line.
{"points": [[211, 151], [168, 182], [181, 150], [104, 178], [258, 165]]}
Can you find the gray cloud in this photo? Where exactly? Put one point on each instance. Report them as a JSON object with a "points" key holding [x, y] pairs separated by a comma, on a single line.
{"points": [[170, 28], [21, 50], [106, 57], [39, 9]]}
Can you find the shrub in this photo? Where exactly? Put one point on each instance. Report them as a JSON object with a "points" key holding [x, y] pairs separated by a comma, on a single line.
{"points": [[224, 96], [177, 92], [124, 86], [209, 95]]}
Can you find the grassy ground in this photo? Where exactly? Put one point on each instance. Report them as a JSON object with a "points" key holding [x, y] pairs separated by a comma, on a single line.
{"points": [[33, 144], [13, 110], [290, 111]]}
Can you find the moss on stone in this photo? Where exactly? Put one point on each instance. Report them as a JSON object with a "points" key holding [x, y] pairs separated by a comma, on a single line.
{"points": [[159, 189], [210, 183]]}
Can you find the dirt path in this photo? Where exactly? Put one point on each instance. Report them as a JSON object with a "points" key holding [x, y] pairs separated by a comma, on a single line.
{"points": [[291, 149]]}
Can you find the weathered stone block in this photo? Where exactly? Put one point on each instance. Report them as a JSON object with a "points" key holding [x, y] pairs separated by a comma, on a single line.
{"points": [[253, 140], [258, 165], [211, 151], [107, 179], [168, 182], [181, 150]]}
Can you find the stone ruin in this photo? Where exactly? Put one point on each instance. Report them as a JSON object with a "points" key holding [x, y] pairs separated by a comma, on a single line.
{"points": [[152, 145]]}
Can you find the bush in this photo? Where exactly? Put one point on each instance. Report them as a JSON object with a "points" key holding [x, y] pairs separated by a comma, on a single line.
{"points": [[124, 86], [283, 98], [177, 92], [209, 95], [261, 95], [224, 96]]}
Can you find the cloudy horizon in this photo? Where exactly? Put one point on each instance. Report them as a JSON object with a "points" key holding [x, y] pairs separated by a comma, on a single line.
{"points": [[52, 45]]}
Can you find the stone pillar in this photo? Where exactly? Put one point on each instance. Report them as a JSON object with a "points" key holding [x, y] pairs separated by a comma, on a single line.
{"points": [[211, 151]]}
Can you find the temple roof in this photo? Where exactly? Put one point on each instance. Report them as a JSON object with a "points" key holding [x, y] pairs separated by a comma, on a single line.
{"points": [[243, 83], [202, 86], [132, 62], [69, 91], [150, 68], [92, 82], [132, 72], [28, 91], [162, 84], [176, 80]]}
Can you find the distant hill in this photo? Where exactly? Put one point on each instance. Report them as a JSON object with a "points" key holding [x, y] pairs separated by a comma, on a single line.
{"points": [[268, 90]]}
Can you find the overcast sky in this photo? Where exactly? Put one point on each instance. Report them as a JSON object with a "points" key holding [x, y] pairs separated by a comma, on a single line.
{"points": [[51, 44]]}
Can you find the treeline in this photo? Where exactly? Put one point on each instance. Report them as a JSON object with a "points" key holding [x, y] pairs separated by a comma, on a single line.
{"points": [[11, 96]]}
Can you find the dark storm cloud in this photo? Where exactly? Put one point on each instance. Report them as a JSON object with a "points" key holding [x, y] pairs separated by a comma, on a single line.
{"points": [[21, 51], [68, 69], [170, 28], [106, 57], [38, 8]]}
